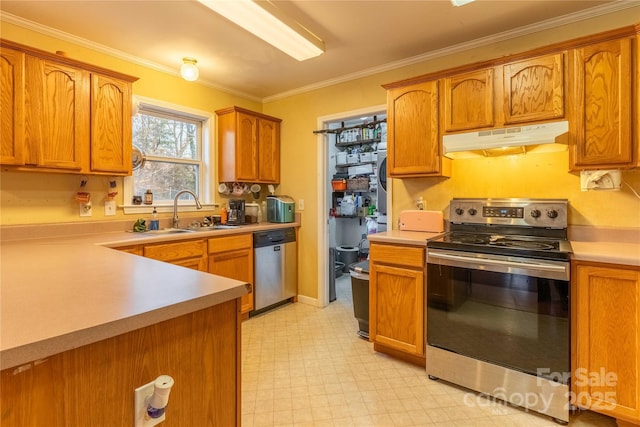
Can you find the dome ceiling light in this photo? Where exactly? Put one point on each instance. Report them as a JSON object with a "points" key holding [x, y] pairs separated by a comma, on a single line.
{"points": [[189, 70]]}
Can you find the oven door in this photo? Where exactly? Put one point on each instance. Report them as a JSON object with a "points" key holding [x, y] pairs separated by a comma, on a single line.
{"points": [[508, 311]]}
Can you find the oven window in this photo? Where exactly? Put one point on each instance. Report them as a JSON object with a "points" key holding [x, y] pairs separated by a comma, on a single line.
{"points": [[515, 321]]}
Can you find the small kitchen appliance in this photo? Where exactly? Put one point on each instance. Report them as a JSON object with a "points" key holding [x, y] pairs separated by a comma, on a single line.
{"points": [[497, 293], [280, 209], [236, 212]]}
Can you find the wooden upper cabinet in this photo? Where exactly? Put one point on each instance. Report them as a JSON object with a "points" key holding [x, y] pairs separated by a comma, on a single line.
{"points": [[469, 101], [601, 125], [534, 89], [62, 115], [268, 151], [413, 138], [56, 114], [248, 146], [12, 106], [110, 125]]}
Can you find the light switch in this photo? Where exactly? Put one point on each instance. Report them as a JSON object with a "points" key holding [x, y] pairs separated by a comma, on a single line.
{"points": [[301, 204]]}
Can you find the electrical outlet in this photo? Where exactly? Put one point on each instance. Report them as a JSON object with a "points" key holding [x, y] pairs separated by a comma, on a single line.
{"points": [[301, 204], [85, 209], [140, 401], [109, 207]]}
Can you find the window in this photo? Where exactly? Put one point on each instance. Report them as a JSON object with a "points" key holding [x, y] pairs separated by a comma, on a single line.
{"points": [[175, 144]]}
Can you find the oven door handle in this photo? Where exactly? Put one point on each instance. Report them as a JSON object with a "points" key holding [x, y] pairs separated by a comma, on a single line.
{"points": [[546, 267]]}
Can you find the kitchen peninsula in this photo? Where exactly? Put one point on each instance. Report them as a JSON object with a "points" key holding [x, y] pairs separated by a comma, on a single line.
{"points": [[86, 323]]}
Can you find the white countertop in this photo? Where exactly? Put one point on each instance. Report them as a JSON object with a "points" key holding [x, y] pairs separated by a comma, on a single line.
{"points": [[59, 293]]}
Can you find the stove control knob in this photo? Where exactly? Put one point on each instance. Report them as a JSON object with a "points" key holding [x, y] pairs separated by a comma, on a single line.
{"points": [[535, 213], [472, 211], [459, 211], [552, 213]]}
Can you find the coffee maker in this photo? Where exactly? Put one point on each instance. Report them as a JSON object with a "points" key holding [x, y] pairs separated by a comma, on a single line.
{"points": [[236, 212]]}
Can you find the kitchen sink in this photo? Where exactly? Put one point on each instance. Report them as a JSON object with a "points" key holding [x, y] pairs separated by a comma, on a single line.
{"points": [[185, 230]]}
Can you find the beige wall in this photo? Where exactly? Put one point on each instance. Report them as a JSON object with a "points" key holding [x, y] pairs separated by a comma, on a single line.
{"points": [[31, 198]]}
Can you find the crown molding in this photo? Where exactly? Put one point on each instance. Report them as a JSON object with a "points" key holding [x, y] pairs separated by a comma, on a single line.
{"points": [[496, 38]]}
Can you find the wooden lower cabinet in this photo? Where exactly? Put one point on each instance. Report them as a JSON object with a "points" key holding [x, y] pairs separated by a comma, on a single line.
{"points": [[232, 257], [606, 339], [188, 253], [93, 385], [132, 249], [396, 300]]}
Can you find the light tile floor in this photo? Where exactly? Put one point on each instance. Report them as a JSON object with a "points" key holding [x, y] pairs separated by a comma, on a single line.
{"points": [[306, 366]]}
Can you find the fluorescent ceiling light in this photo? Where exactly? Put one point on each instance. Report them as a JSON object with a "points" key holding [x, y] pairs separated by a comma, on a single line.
{"points": [[267, 22], [460, 2]]}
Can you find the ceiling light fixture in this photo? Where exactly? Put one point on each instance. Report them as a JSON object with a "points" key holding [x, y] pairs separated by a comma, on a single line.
{"points": [[460, 2], [189, 70], [264, 20]]}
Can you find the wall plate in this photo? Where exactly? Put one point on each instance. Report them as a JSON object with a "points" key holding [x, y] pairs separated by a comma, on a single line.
{"points": [[86, 209], [141, 397]]}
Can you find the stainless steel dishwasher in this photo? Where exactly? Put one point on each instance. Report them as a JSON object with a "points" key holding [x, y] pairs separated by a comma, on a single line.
{"points": [[275, 267]]}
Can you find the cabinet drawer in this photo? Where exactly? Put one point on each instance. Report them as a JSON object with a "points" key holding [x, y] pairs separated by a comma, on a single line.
{"points": [[400, 255], [175, 251], [230, 243]]}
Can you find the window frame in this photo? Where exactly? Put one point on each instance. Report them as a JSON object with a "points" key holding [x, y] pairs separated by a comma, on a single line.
{"points": [[206, 162]]}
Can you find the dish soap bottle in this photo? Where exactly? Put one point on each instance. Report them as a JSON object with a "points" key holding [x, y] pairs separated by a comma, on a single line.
{"points": [[154, 224]]}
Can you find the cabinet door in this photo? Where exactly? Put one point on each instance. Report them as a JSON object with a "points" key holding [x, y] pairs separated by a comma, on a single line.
{"points": [[189, 253], [12, 105], [268, 151], [56, 114], [534, 89], [232, 257], [110, 125], [468, 101], [246, 147], [398, 316], [601, 125], [237, 264], [606, 331], [412, 135]]}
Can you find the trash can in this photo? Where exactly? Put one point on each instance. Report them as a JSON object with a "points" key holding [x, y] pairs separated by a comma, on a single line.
{"points": [[347, 255], [334, 273], [359, 272]]}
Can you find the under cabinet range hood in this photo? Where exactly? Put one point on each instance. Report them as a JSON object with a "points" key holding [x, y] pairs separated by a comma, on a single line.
{"points": [[512, 140]]}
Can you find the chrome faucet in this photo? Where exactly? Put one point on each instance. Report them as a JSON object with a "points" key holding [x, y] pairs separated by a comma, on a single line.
{"points": [[175, 205]]}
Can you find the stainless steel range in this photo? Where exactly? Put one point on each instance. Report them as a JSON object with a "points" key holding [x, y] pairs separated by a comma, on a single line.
{"points": [[498, 302]]}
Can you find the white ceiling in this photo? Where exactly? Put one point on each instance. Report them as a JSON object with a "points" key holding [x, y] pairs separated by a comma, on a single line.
{"points": [[360, 37]]}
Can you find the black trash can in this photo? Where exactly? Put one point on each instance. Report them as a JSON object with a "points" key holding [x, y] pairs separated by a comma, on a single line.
{"points": [[359, 272], [333, 274]]}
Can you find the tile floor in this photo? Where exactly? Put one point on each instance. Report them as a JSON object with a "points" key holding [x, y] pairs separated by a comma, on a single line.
{"points": [[306, 366]]}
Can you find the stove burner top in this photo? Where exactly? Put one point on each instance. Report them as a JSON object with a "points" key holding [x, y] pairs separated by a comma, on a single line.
{"points": [[516, 245], [523, 243], [523, 228]]}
